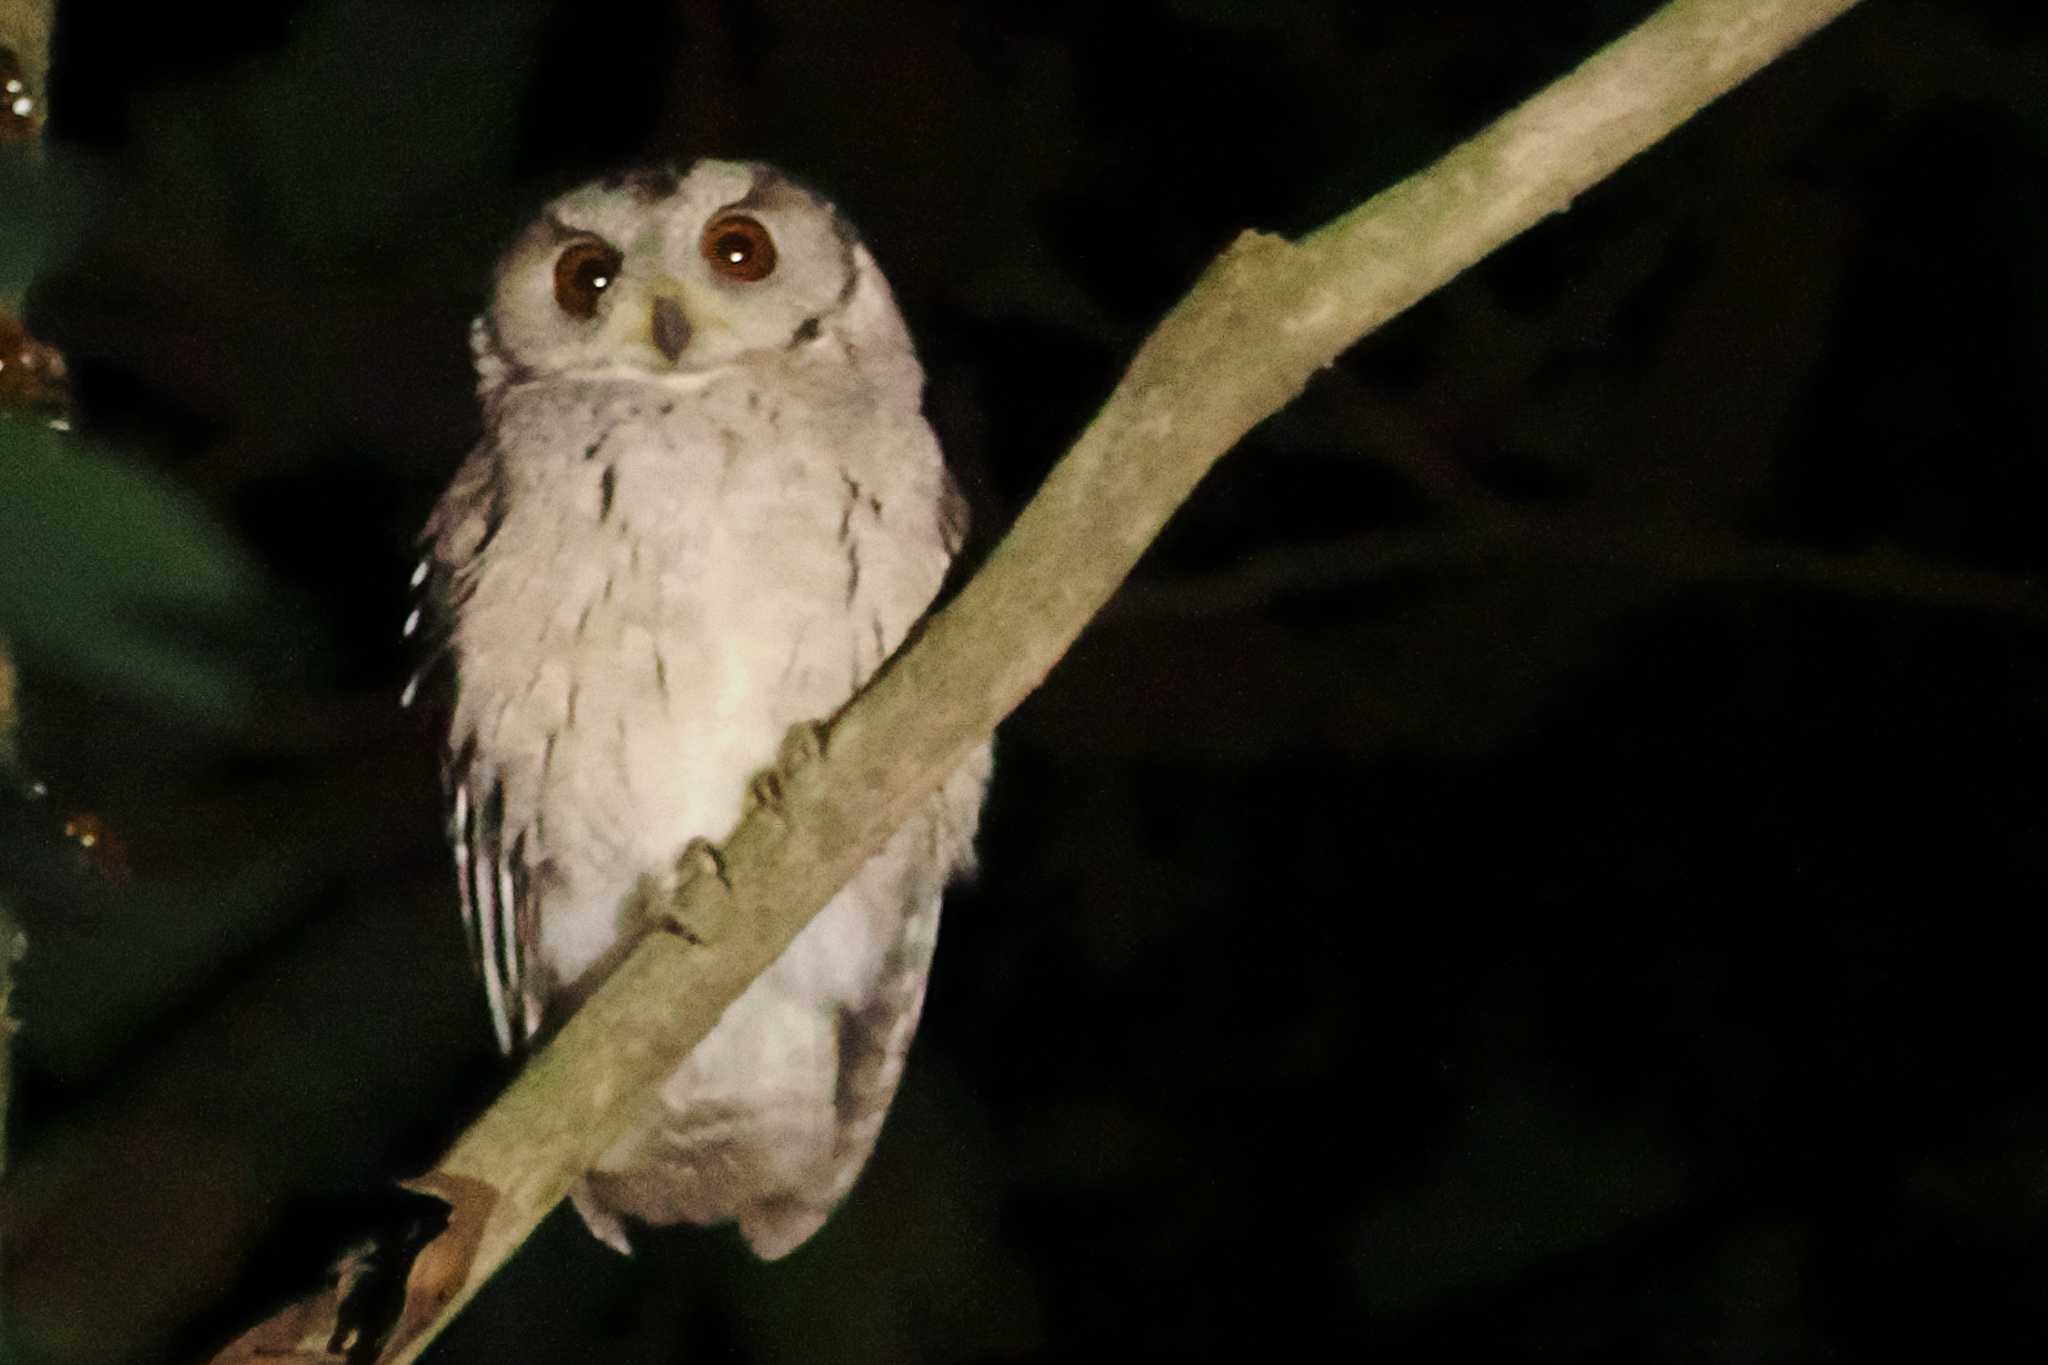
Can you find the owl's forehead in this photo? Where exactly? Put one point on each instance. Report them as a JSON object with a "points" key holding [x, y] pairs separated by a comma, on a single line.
{"points": [[622, 208]]}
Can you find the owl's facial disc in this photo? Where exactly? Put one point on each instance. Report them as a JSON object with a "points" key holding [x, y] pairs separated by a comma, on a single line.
{"points": [[729, 265]]}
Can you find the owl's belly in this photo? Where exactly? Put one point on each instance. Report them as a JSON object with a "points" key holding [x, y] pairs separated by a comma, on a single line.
{"points": [[672, 722], [663, 706]]}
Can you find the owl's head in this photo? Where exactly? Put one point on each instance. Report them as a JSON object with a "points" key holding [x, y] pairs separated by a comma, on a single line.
{"points": [[659, 274]]}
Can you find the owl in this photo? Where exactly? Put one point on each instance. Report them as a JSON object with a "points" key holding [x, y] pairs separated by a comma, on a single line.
{"points": [[705, 509]]}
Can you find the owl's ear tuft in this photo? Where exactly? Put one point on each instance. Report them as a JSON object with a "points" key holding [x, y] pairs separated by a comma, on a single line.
{"points": [[647, 184]]}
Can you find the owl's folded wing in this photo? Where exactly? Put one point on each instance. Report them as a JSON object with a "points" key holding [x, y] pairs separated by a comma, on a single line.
{"points": [[494, 883], [493, 877]]}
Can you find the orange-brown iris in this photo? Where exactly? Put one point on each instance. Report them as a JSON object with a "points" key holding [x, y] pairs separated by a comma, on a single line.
{"points": [[739, 248], [583, 271]]}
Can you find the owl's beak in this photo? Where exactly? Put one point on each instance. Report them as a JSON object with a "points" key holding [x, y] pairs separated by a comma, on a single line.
{"points": [[670, 327]]}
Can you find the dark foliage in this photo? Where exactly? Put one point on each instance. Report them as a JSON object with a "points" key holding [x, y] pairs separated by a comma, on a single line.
{"points": [[1543, 860]]}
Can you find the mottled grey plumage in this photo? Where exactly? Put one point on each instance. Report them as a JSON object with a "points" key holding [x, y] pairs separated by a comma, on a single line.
{"points": [[705, 510]]}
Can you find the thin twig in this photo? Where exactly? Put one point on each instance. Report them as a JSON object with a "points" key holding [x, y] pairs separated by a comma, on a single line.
{"points": [[1263, 319]]}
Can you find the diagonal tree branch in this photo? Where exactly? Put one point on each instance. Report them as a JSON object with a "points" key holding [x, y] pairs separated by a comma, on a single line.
{"points": [[1257, 325]]}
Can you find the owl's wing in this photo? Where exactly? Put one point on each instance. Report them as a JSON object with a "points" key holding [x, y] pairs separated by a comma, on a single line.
{"points": [[494, 882], [874, 1039], [874, 1042], [493, 878]]}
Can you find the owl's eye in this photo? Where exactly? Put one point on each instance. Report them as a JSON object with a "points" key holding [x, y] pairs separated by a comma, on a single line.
{"points": [[739, 248], [584, 270]]}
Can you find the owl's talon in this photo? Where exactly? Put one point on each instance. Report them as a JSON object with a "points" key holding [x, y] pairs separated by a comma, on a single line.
{"points": [[765, 792], [701, 857], [802, 745], [657, 906]]}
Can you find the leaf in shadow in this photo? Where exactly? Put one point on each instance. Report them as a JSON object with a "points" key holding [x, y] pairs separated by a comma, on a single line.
{"points": [[374, 134], [112, 576]]}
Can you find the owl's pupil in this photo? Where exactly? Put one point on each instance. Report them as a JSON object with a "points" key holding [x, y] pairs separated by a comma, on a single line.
{"points": [[735, 248]]}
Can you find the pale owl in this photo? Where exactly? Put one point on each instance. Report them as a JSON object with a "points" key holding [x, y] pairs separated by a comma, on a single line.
{"points": [[706, 507]]}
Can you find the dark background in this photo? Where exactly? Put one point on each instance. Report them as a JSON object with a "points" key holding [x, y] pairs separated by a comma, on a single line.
{"points": [[1545, 857]]}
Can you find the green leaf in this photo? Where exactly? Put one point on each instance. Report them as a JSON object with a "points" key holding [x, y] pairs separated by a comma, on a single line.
{"points": [[110, 575], [40, 204], [382, 123]]}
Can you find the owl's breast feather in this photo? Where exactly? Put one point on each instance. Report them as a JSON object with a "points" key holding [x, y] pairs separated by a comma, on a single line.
{"points": [[650, 618]]}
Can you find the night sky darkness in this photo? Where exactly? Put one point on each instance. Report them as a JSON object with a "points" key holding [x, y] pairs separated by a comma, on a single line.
{"points": [[1545, 857]]}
